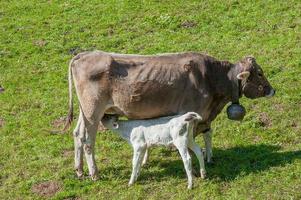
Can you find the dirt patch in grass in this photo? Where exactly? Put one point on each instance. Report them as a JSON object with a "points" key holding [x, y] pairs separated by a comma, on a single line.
{"points": [[188, 24], [46, 189], [110, 31], [257, 138], [294, 124], [67, 153], [105, 160], [73, 198], [40, 43], [1, 122], [264, 120], [279, 107]]}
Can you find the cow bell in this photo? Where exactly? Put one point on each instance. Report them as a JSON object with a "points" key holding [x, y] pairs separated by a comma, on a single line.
{"points": [[236, 112]]}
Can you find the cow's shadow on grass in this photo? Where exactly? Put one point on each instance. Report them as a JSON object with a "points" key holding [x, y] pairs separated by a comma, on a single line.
{"points": [[228, 163]]}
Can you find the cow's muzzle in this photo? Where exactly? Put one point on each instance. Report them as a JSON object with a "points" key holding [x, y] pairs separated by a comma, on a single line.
{"points": [[271, 93]]}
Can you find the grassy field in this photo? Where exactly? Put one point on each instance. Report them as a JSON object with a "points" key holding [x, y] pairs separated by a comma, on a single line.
{"points": [[259, 158]]}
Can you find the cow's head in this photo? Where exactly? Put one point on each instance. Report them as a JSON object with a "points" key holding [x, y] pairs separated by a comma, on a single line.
{"points": [[254, 83]]}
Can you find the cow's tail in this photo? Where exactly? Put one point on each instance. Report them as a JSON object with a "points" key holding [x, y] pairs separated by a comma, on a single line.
{"points": [[69, 117]]}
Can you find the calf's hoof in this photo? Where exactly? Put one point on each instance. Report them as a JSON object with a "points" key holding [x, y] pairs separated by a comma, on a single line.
{"points": [[144, 163], [189, 187], [203, 174], [131, 183]]}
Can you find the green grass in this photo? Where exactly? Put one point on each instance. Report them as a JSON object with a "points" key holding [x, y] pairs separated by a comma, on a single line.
{"points": [[252, 161]]}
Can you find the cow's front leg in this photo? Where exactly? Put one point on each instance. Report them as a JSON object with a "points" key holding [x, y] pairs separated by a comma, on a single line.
{"points": [[89, 144], [208, 145]]}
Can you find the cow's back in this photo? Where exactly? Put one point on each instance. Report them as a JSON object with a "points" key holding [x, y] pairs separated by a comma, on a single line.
{"points": [[152, 86]]}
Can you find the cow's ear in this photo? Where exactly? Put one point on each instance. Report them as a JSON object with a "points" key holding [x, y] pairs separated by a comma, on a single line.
{"points": [[243, 75], [251, 59]]}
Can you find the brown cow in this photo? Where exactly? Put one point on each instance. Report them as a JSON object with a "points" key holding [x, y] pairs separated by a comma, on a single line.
{"points": [[141, 87]]}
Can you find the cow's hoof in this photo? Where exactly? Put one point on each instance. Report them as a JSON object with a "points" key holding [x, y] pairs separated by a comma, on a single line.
{"points": [[94, 177], [210, 161], [189, 187], [79, 173]]}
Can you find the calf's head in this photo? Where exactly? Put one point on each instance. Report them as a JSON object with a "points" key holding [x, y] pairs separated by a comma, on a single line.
{"points": [[254, 83], [110, 121]]}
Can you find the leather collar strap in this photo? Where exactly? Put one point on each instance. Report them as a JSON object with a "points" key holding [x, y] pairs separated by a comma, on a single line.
{"points": [[236, 85]]}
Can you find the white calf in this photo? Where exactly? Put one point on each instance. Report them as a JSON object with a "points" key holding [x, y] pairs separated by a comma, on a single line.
{"points": [[172, 130]]}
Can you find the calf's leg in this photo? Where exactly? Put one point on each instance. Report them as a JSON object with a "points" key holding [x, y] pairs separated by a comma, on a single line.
{"points": [[140, 161], [139, 151], [146, 156], [182, 147], [199, 154]]}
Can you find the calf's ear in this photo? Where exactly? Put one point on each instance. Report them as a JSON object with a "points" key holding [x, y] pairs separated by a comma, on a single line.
{"points": [[115, 125], [243, 75]]}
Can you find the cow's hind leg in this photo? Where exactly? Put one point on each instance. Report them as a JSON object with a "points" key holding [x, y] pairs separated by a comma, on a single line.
{"points": [[78, 135], [92, 84], [89, 144], [91, 118]]}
